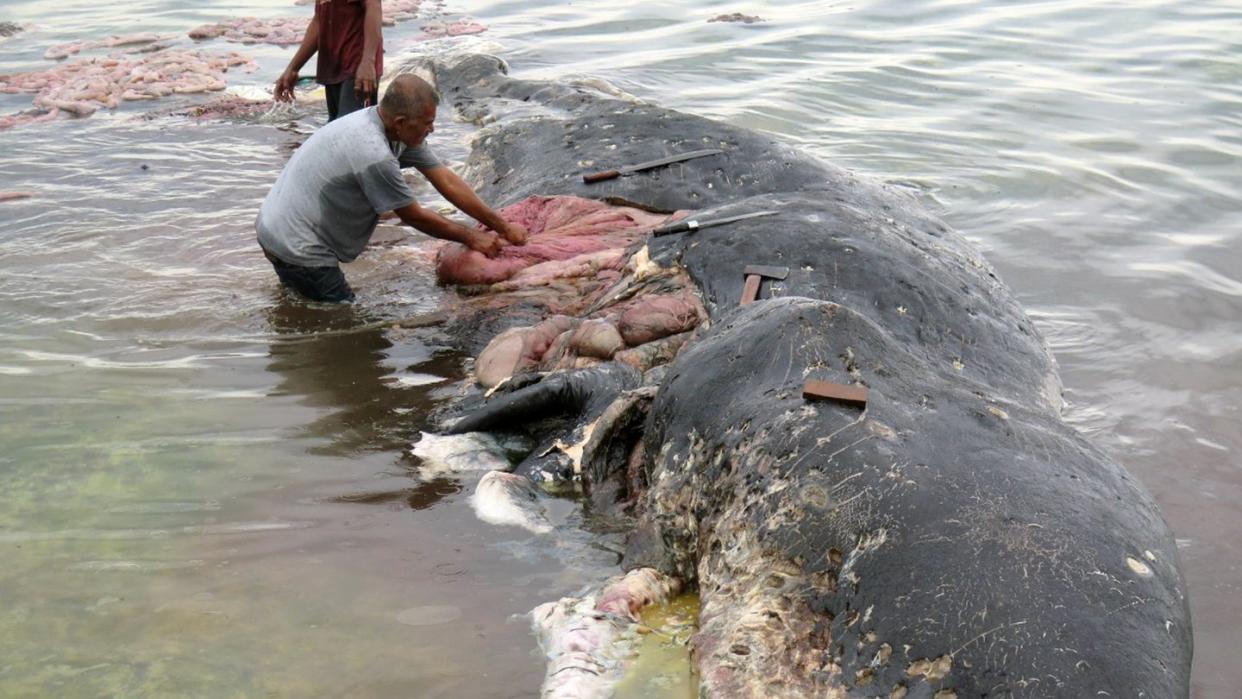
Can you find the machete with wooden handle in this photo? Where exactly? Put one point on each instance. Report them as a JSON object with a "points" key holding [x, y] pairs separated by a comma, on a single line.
{"points": [[693, 225], [610, 174]]}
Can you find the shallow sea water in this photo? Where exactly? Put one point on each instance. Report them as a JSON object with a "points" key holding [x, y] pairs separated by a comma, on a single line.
{"points": [[204, 494]]}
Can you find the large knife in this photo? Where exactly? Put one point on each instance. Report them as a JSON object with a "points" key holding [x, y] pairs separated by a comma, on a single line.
{"points": [[609, 174], [693, 224]]}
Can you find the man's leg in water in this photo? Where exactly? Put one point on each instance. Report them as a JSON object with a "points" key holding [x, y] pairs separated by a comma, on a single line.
{"points": [[314, 283], [342, 100]]}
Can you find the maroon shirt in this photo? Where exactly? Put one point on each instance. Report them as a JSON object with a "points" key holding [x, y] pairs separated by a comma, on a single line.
{"points": [[341, 39]]}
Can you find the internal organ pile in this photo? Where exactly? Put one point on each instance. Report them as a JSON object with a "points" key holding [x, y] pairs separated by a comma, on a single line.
{"points": [[145, 41], [400, 11], [288, 31], [394, 10], [438, 28], [281, 31], [232, 107], [577, 249], [641, 334], [568, 231], [80, 87], [8, 121]]}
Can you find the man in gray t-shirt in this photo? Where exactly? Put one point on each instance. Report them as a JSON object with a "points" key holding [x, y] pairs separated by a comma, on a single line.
{"points": [[326, 202]]}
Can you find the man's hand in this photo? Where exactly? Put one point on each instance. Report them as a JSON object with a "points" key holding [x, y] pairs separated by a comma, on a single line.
{"points": [[463, 196], [284, 86], [484, 242], [364, 83], [515, 233]]}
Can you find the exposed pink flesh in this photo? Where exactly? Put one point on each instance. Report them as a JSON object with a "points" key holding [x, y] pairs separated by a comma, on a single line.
{"points": [[561, 229], [653, 317], [518, 349]]}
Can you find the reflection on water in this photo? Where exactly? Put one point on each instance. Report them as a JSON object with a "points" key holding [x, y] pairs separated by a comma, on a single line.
{"points": [[206, 484], [338, 357], [420, 497]]}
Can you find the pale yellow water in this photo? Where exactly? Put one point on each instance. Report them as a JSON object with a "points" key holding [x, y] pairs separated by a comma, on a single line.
{"points": [[662, 664]]}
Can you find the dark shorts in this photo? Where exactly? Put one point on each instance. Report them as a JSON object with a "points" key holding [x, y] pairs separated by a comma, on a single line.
{"points": [[342, 100], [315, 283]]}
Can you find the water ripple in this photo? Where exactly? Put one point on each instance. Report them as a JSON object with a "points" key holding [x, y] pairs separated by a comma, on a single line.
{"points": [[127, 534]]}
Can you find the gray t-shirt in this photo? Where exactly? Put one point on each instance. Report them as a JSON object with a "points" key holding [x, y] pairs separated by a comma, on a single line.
{"points": [[326, 202]]}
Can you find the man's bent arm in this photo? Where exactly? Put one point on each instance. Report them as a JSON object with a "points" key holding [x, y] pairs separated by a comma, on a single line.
{"points": [[437, 226], [310, 44], [463, 196]]}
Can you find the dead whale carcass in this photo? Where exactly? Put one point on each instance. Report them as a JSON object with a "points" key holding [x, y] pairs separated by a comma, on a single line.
{"points": [[954, 537]]}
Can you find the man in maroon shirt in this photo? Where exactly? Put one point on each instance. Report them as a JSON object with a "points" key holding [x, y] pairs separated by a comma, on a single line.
{"points": [[346, 34]]}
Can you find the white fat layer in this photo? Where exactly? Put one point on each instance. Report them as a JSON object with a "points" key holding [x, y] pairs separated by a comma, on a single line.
{"points": [[509, 499], [473, 451], [587, 646]]}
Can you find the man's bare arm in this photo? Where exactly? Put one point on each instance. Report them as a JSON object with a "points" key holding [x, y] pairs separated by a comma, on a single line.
{"points": [[463, 196], [289, 78], [437, 226], [365, 79]]}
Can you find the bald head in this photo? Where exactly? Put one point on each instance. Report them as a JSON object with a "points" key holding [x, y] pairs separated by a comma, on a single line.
{"points": [[408, 110], [408, 95]]}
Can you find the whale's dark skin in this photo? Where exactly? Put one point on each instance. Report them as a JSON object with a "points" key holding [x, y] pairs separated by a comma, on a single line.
{"points": [[953, 538]]}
